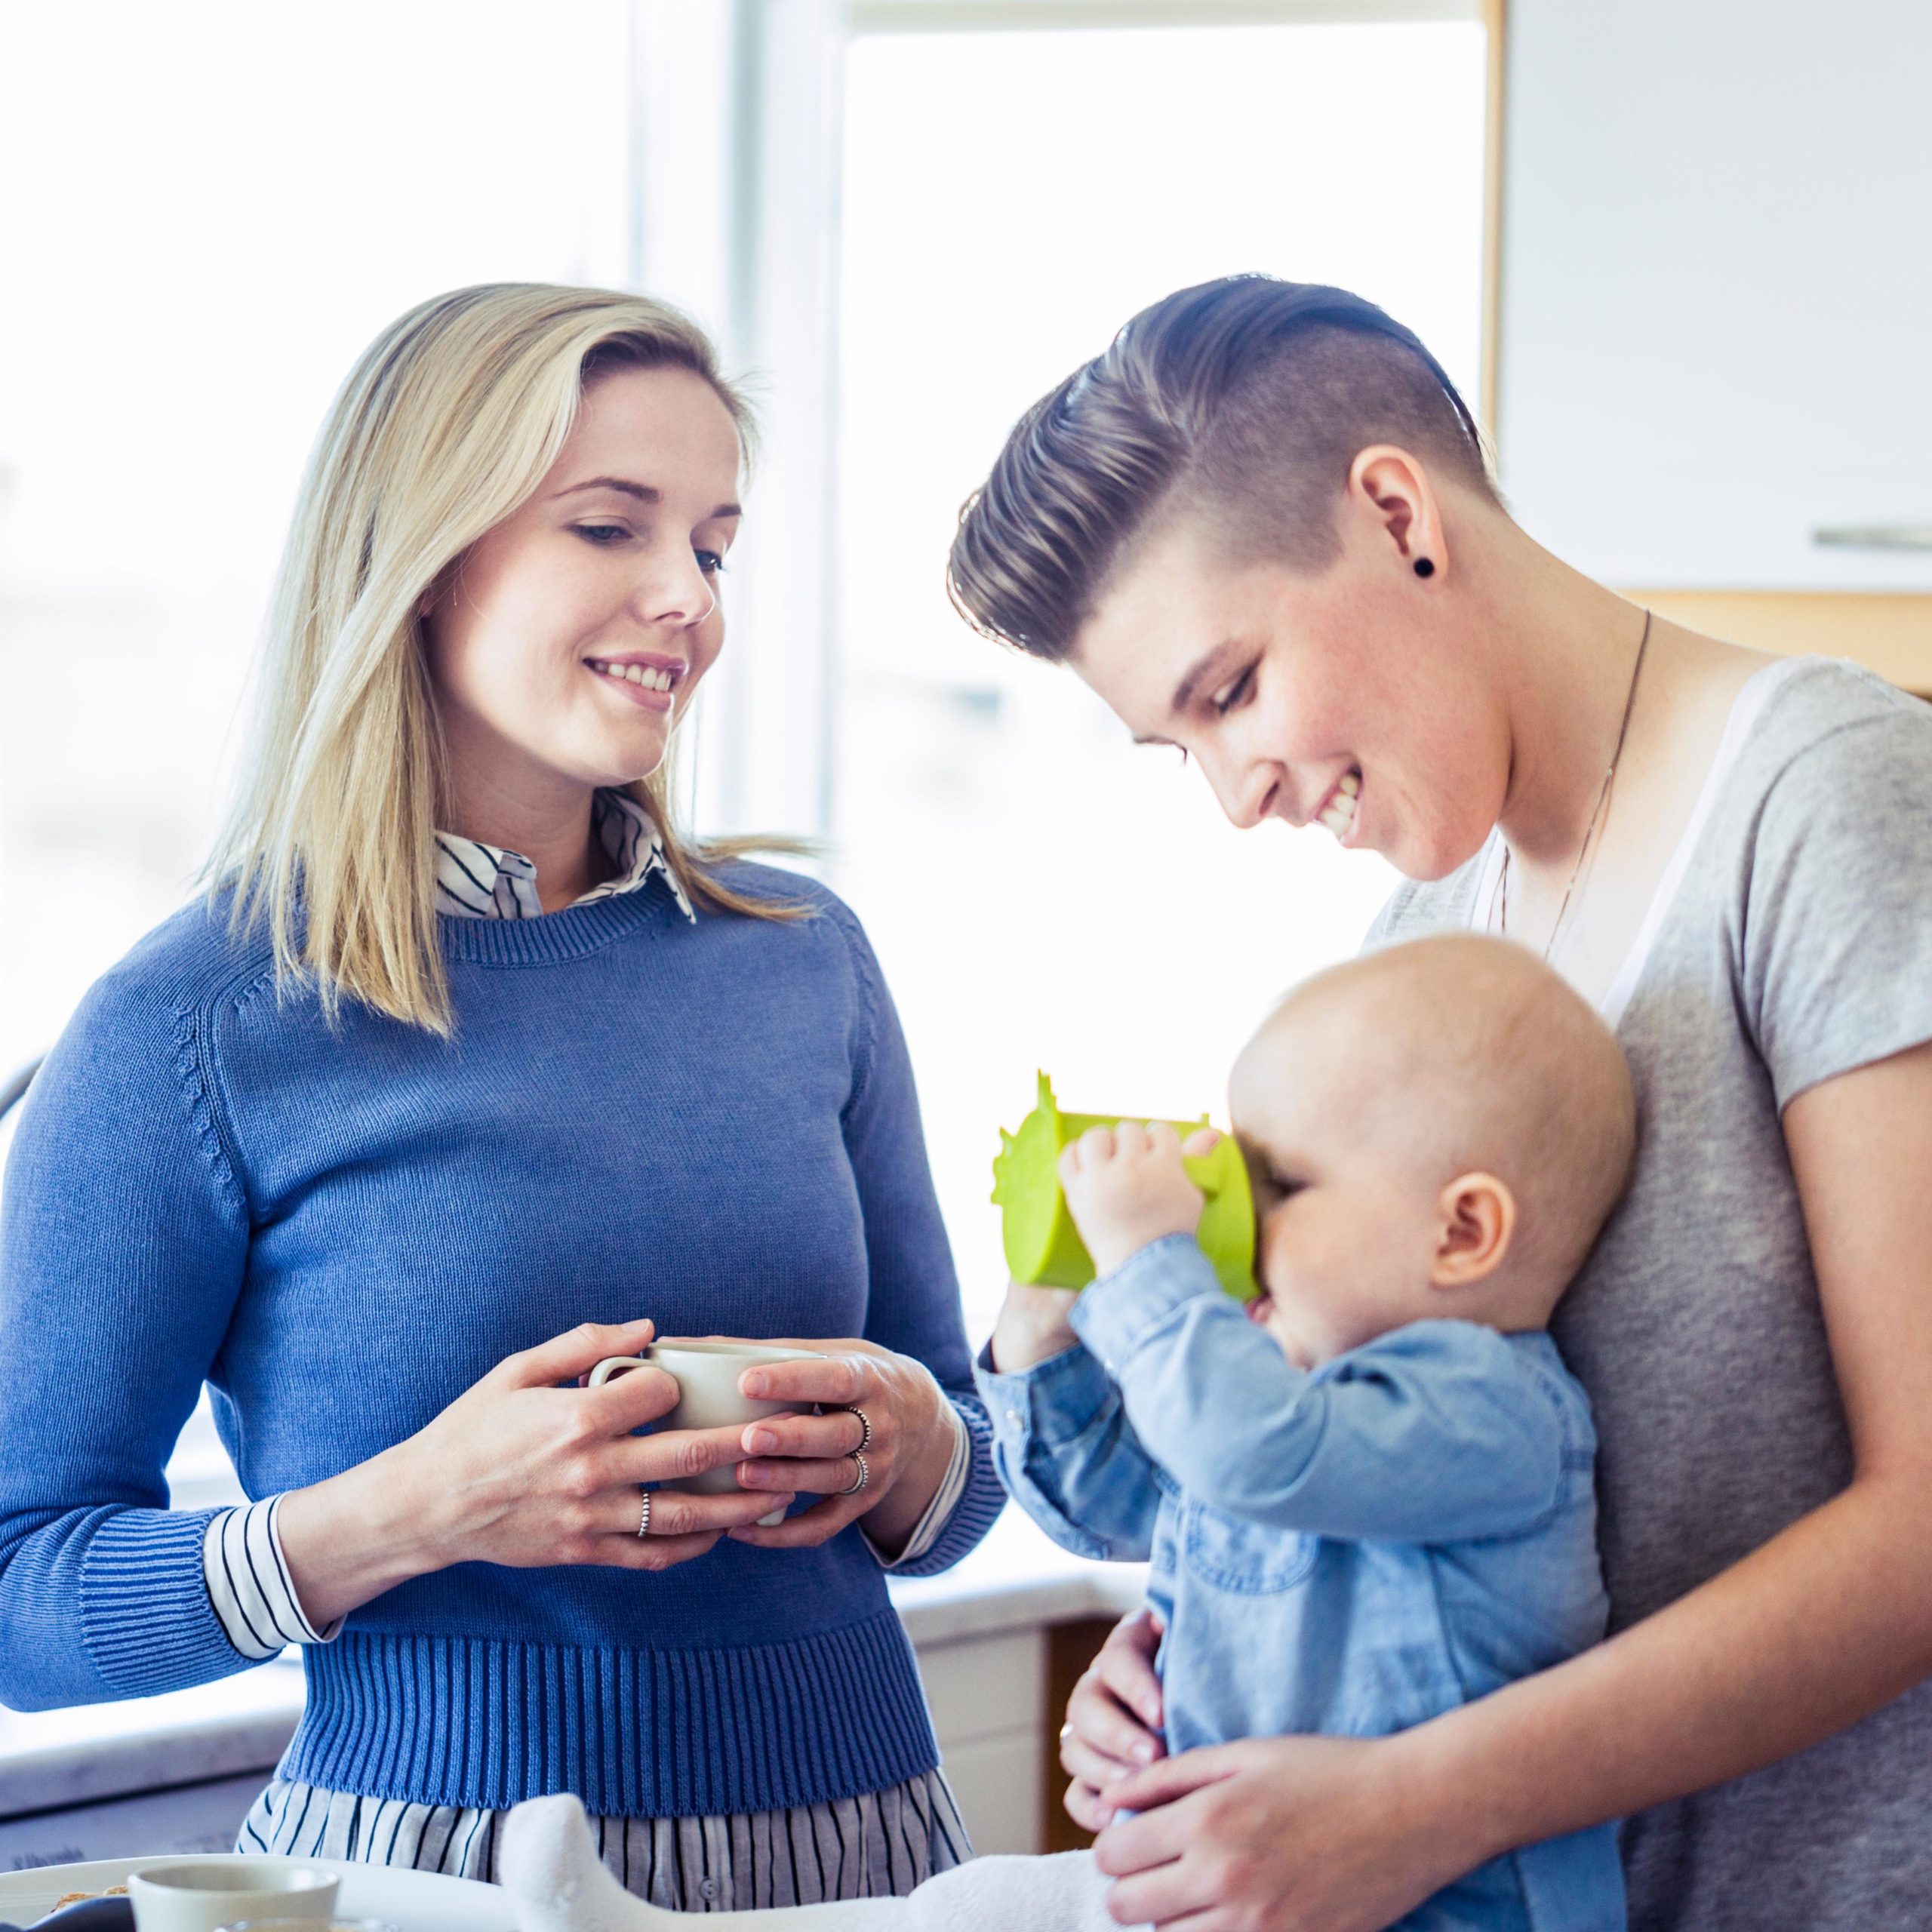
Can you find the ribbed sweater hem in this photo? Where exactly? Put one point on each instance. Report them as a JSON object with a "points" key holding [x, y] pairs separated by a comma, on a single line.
{"points": [[472, 1720]]}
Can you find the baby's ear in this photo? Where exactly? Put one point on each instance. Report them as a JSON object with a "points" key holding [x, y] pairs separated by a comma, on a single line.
{"points": [[1477, 1222]]}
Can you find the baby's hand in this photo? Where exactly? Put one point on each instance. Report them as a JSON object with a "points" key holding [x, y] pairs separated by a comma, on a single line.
{"points": [[1125, 1187], [1032, 1328]]}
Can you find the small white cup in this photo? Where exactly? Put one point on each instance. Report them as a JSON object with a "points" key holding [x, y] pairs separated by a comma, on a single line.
{"points": [[707, 1373], [216, 1892], [310, 1925]]}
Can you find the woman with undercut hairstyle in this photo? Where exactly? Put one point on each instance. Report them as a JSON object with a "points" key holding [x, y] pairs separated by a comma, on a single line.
{"points": [[1260, 527]]}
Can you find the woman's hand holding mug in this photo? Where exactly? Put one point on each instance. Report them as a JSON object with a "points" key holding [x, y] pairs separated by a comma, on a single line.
{"points": [[888, 1402], [520, 1471]]}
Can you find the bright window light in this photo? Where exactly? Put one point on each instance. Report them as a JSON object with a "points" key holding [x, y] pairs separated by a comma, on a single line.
{"points": [[221, 204], [214, 208], [1041, 893]]}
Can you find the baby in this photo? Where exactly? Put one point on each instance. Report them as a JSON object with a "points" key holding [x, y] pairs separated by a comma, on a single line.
{"points": [[1363, 1499]]}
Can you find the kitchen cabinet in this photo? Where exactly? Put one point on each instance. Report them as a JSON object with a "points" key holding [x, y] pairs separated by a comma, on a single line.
{"points": [[987, 1698], [1889, 635], [1715, 301]]}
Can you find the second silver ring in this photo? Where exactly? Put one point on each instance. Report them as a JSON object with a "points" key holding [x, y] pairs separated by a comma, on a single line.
{"points": [[859, 1481]]}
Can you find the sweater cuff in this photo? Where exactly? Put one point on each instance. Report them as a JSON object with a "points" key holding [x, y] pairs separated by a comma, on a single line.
{"points": [[145, 1617], [249, 1588], [1116, 1314], [979, 1504], [939, 1511]]}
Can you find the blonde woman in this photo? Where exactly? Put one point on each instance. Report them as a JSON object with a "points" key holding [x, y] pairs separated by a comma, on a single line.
{"points": [[469, 1072]]}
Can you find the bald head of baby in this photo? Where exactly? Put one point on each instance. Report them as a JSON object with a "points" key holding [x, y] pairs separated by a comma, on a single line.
{"points": [[1440, 1128]]}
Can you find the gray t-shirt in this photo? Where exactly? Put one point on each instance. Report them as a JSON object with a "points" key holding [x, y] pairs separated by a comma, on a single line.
{"points": [[1790, 941]]}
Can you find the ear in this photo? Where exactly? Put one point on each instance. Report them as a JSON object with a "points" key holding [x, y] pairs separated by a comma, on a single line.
{"points": [[1477, 1221], [1389, 487]]}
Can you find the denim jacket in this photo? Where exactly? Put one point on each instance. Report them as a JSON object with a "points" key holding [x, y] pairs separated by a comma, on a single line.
{"points": [[1352, 1551]]}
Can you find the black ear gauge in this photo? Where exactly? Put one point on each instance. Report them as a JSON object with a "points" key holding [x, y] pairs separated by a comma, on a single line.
{"points": [[1424, 567]]}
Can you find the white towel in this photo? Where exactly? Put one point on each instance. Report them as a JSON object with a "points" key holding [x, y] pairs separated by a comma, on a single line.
{"points": [[551, 1869]]}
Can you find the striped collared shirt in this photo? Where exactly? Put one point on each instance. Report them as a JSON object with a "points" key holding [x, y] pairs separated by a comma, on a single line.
{"points": [[478, 881]]}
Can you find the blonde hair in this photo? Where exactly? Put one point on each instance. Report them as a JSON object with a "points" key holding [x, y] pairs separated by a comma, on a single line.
{"points": [[445, 426]]}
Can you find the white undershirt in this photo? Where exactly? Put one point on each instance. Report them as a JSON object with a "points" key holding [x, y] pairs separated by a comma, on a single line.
{"points": [[1745, 708]]}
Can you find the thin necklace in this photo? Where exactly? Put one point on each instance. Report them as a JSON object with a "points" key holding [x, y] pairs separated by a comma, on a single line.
{"points": [[1590, 830]]}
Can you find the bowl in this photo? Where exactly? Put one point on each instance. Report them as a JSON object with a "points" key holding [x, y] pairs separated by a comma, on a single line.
{"points": [[211, 1894]]}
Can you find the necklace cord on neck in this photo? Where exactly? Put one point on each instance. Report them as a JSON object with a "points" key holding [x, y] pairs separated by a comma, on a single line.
{"points": [[1590, 830]]}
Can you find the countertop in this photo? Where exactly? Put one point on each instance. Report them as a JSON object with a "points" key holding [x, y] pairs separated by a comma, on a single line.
{"points": [[1016, 1579]]}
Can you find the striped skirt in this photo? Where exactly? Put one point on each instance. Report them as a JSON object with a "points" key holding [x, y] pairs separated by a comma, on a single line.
{"points": [[878, 1845]]}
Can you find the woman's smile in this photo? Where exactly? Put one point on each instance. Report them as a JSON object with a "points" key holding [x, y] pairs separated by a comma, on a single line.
{"points": [[641, 678], [1340, 808]]}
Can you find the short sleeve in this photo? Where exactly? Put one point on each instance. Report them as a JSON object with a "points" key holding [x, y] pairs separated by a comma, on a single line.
{"points": [[1836, 936]]}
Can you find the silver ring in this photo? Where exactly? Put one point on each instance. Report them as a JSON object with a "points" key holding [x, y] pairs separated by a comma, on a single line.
{"points": [[643, 1516], [865, 1427], [859, 1481]]}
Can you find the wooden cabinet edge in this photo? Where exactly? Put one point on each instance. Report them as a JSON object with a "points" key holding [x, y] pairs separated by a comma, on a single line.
{"points": [[1889, 632], [1071, 1648]]}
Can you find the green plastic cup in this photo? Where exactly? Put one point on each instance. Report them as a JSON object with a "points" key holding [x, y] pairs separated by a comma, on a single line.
{"points": [[1043, 1247]]}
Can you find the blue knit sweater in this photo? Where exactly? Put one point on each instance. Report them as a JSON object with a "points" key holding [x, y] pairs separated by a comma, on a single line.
{"points": [[713, 1124]]}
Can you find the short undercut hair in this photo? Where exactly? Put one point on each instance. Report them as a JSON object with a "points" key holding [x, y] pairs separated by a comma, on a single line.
{"points": [[1244, 400]]}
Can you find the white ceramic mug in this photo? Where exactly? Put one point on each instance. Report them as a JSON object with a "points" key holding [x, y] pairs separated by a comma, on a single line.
{"points": [[707, 1373], [313, 1925], [211, 1892]]}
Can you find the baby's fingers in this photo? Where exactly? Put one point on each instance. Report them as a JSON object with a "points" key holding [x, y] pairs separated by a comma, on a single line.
{"points": [[1094, 1149]]}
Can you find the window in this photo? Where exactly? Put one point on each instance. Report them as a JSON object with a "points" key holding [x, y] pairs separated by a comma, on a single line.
{"points": [[1040, 893], [225, 206]]}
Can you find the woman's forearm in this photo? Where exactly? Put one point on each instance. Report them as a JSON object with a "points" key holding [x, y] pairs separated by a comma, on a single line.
{"points": [[1803, 1638], [351, 1538]]}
